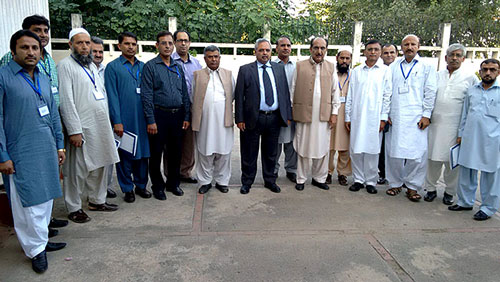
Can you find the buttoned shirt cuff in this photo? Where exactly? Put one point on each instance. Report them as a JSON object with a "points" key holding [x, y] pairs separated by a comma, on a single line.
{"points": [[335, 111], [384, 117], [347, 119], [60, 144], [73, 131], [150, 120], [4, 156]]}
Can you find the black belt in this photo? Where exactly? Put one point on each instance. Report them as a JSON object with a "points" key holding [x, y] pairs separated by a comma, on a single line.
{"points": [[268, 112], [168, 110]]}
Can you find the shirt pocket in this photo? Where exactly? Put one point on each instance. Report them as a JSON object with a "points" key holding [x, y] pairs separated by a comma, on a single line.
{"points": [[493, 108]]}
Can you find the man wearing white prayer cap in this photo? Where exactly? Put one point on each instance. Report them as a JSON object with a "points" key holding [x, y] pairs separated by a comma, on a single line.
{"points": [[90, 143]]}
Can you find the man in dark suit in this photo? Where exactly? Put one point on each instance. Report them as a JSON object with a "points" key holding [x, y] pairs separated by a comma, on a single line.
{"points": [[263, 106]]}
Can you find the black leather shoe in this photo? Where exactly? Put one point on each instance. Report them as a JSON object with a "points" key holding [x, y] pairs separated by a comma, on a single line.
{"points": [[102, 207], [356, 187], [328, 179], [342, 180], [159, 195], [57, 223], [430, 196], [39, 262], [176, 191], [221, 188], [447, 199], [52, 247], [110, 193], [188, 180], [371, 189], [143, 193], [320, 185], [79, 216], [299, 187], [459, 208], [273, 187], [204, 188], [381, 180], [245, 189], [292, 177], [53, 232], [129, 197], [480, 215]]}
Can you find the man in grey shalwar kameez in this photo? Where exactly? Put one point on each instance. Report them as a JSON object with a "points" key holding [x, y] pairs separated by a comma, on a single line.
{"points": [[85, 116]]}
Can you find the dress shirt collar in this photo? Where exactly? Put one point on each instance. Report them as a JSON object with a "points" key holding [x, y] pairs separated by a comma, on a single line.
{"points": [[378, 64], [210, 71], [16, 68], [495, 84], [123, 60], [415, 59], [158, 60], [176, 57], [268, 64], [279, 61]]}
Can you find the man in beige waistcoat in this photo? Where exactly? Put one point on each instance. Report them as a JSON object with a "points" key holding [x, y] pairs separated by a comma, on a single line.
{"points": [[212, 122], [339, 141], [315, 100]]}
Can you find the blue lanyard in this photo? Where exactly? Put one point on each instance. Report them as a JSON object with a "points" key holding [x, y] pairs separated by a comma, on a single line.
{"points": [[48, 73], [176, 70], [37, 90], [345, 81], [91, 77], [408, 75], [136, 77]]}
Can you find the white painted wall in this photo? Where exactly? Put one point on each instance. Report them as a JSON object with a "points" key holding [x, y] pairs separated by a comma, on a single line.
{"points": [[12, 14]]}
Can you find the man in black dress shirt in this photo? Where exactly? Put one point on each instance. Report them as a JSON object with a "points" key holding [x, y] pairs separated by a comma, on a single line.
{"points": [[166, 106]]}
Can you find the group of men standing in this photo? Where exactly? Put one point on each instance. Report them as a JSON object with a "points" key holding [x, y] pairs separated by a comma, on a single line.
{"points": [[377, 117]]}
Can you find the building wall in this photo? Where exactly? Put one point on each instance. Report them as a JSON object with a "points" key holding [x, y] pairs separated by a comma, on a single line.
{"points": [[12, 14]]}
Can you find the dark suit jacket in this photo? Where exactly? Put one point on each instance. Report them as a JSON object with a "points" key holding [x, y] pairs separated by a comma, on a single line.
{"points": [[247, 94]]}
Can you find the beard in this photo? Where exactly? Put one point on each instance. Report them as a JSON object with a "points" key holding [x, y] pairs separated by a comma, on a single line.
{"points": [[83, 59], [342, 68], [488, 81]]}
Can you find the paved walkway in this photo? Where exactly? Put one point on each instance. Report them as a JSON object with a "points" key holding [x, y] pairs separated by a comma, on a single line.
{"points": [[312, 235]]}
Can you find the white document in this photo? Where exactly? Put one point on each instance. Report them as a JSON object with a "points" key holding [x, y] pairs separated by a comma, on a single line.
{"points": [[454, 155], [128, 142]]}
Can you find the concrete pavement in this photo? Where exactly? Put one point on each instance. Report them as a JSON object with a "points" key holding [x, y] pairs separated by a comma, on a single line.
{"points": [[310, 235]]}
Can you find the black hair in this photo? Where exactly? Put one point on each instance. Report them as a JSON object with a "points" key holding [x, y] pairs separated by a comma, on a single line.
{"points": [[177, 32], [389, 45], [35, 20], [281, 37], [20, 33], [373, 41], [490, 61], [126, 34], [161, 34]]}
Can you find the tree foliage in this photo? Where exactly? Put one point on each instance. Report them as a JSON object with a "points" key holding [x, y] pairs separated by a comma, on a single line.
{"points": [[474, 22]]}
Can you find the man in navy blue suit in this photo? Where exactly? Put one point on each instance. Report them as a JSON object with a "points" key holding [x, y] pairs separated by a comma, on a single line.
{"points": [[262, 102]]}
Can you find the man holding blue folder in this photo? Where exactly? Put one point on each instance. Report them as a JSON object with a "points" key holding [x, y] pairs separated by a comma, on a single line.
{"points": [[479, 136]]}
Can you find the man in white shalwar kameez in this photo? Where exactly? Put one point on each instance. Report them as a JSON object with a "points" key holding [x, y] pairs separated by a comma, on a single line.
{"points": [[366, 111], [212, 122], [315, 100], [90, 144], [453, 83], [413, 94]]}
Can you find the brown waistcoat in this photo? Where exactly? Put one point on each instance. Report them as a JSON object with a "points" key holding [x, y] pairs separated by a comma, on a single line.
{"points": [[200, 79], [304, 87]]}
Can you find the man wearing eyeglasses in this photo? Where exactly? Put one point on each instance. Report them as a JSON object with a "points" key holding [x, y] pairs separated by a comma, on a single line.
{"points": [[166, 105], [189, 64]]}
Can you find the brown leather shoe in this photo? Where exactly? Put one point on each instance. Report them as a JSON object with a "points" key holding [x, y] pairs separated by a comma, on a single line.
{"points": [[343, 180], [102, 207]]}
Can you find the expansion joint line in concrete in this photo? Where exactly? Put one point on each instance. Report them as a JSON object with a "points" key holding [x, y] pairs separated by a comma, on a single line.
{"points": [[389, 259], [197, 215]]}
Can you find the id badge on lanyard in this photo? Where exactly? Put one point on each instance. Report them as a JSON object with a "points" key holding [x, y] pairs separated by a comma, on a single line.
{"points": [[404, 89], [98, 94], [43, 110]]}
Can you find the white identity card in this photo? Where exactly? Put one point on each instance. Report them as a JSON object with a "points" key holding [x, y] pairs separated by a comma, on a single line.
{"points": [[54, 90], [404, 89], [97, 94], [43, 110], [342, 99], [138, 90], [454, 155]]}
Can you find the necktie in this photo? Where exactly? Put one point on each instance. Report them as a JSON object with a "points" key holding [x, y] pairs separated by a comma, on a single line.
{"points": [[268, 88]]}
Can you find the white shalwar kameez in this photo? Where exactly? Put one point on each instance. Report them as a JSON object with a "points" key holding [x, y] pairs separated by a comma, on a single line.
{"points": [[443, 131], [406, 144], [31, 223], [312, 140], [214, 141], [368, 102]]}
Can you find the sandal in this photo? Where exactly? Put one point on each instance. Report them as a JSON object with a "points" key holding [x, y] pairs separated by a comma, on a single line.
{"points": [[393, 191], [413, 195]]}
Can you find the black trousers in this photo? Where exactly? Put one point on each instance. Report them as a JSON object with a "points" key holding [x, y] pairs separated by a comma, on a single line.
{"points": [[381, 157], [268, 131], [168, 138]]}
